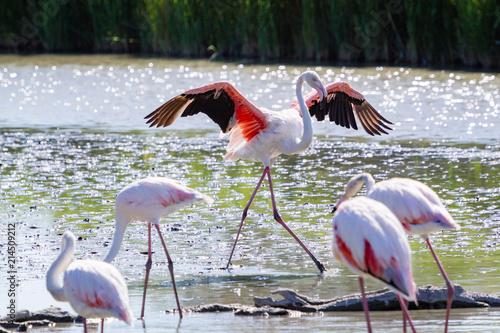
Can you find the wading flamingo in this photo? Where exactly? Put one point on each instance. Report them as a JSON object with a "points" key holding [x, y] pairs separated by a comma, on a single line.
{"points": [[417, 207], [261, 135], [93, 288], [149, 200], [370, 241]]}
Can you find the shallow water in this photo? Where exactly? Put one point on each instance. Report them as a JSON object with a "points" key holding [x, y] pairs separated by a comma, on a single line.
{"points": [[73, 136]]}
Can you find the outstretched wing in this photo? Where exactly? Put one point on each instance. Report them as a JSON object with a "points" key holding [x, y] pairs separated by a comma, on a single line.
{"points": [[220, 101], [342, 103]]}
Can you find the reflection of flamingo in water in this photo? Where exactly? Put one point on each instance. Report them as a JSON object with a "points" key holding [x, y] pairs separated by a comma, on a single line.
{"points": [[417, 207], [150, 199], [371, 242], [95, 289], [261, 135]]}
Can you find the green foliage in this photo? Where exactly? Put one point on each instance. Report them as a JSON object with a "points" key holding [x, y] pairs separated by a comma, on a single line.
{"points": [[464, 32]]}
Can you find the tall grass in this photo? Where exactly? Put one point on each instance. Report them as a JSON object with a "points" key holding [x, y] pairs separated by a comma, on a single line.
{"points": [[445, 32]]}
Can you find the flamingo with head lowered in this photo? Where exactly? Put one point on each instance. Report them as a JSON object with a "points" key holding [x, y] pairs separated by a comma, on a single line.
{"points": [[150, 199], [261, 135], [93, 288], [370, 241], [417, 207]]}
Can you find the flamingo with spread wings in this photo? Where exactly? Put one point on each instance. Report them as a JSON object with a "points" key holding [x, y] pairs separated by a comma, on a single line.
{"points": [[261, 135]]}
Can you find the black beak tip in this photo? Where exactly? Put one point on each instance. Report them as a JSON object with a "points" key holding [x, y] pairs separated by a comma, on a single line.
{"points": [[334, 209]]}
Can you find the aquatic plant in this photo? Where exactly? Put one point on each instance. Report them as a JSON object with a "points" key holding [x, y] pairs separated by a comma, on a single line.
{"points": [[448, 32]]}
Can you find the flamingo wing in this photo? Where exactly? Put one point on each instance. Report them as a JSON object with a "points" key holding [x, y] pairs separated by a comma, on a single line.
{"points": [[342, 103], [96, 289], [369, 239], [220, 101]]}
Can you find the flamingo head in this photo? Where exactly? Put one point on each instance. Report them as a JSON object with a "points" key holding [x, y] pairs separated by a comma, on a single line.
{"points": [[312, 79]]}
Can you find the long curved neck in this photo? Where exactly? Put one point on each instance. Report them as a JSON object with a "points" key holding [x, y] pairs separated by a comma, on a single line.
{"points": [[120, 226], [355, 184], [58, 267], [307, 134]]}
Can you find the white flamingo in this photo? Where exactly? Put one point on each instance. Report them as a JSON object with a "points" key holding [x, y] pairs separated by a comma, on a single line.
{"points": [[261, 135], [93, 288], [371, 242], [149, 200]]}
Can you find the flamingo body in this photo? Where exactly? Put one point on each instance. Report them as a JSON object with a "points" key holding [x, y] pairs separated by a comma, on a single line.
{"points": [[149, 200], [371, 242], [415, 204], [94, 289]]}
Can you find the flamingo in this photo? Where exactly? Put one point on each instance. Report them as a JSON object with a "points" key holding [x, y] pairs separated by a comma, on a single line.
{"points": [[417, 207], [261, 135], [149, 200], [93, 288], [370, 241]]}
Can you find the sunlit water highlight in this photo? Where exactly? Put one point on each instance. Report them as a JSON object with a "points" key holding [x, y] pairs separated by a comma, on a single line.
{"points": [[74, 135]]}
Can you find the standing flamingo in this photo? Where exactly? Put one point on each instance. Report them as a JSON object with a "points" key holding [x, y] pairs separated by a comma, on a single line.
{"points": [[261, 135], [93, 288], [149, 200], [371, 242], [417, 207]]}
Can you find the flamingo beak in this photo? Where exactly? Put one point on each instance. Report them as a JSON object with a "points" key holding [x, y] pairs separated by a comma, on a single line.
{"points": [[334, 209], [322, 95]]}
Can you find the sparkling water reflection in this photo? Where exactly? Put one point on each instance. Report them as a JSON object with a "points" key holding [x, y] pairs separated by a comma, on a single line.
{"points": [[73, 136]]}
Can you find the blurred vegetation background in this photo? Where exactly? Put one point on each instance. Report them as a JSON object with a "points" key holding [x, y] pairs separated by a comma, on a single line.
{"points": [[419, 32]]}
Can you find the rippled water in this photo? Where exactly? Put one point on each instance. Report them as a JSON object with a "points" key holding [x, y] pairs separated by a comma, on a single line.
{"points": [[73, 136]]}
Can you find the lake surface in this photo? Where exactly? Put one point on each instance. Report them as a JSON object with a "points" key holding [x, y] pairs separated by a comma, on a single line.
{"points": [[74, 135]]}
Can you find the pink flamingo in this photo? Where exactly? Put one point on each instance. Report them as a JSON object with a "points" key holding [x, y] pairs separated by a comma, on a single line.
{"points": [[371, 242], [261, 135], [416, 206], [93, 288], [149, 200]]}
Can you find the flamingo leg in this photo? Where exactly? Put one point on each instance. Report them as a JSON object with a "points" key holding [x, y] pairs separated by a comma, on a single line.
{"points": [[148, 268], [449, 286], [102, 325], [84, 325], [405, 304], [406, 314], [244, 215], [170, 268], [278, 218], [365, 304]]}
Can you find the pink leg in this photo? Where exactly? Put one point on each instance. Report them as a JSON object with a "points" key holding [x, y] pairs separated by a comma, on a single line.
{"points": [[84, 325], [245, 211], [451, 288], [406, 314], [278, 218], [171, 269], [102, 325], [405, 304], [148, 268], [365, 304]]}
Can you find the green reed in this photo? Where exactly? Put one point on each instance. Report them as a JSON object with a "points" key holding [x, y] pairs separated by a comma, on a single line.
{"points": [[448, 32]]}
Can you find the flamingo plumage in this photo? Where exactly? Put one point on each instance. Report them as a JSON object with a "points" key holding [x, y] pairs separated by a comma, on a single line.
{"points": [[370, 241], [417, 207], [149, 200], [261, 135], [94, 289]]}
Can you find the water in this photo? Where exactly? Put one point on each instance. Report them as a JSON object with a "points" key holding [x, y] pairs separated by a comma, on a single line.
{"points": [[74, 135]]}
